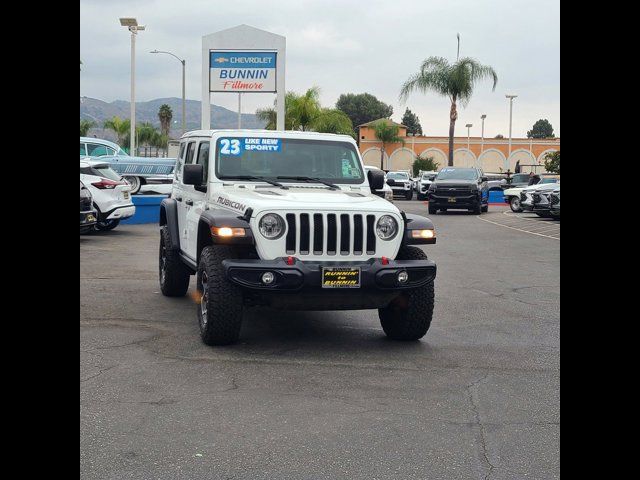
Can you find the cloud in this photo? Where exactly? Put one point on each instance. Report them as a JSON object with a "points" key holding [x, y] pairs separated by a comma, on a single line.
{"points": [[341, 46]]}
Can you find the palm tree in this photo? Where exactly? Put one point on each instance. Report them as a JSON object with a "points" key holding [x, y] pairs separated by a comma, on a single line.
{"points": [[303, 112], [332, 120], [386, 132], [455, 81], [85, 126], [121, 129], [165, 114], [145, 132], [306, 108]]}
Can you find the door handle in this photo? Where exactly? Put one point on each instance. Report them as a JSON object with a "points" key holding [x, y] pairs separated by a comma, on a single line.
{"points": [[188, 201], [178, 199]]}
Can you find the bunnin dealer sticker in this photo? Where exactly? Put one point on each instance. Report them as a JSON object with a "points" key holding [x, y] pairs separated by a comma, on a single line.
{"points": [[235, 146], [242, 71]]}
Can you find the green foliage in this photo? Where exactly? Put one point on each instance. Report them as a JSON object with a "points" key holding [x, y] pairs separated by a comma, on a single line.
{"points": [[85, 126], [425, 164], [121, 128], [552, 162], [499, 136], [332, 120], [165, 114], [541, 129], [412, 122], [455, 81], [386, 132], [363, 107], [304, 112]]}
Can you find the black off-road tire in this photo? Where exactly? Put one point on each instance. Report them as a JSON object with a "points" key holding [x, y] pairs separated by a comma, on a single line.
{"points": [[477, 210], [485, 208], [408, 317], [173, 275], [107, 225], [409, 195], [420, 196], [432, 210], [220, 309]]}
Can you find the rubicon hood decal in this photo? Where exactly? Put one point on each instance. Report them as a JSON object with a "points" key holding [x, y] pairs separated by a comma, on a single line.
{"points": [[237, 206]]}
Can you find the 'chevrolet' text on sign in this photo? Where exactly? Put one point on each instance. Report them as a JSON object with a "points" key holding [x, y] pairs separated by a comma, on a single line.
{"points": [[242, 71]]}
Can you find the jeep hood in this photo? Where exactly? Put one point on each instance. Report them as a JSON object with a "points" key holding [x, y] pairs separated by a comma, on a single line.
{"points": [[305, 198]]}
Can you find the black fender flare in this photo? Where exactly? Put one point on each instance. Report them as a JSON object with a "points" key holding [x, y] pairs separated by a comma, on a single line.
{"points": [[416, 222], [169, 217], [222, 218]]}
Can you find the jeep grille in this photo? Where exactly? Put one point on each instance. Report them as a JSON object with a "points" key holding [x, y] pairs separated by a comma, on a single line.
{"points": [[330, 234]]}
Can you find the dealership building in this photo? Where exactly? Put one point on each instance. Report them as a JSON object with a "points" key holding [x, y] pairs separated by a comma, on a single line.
{"points": [[490, 154]]}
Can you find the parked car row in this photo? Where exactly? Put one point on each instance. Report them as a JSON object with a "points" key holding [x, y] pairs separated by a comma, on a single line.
{"points": [[105, 197], [137, 171], [515, 196]]}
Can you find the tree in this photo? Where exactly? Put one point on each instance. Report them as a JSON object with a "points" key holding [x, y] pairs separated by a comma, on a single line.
{"points": [[426, 164], [304, 112], [386, 132], [120, 127], [363, 107], [412, 122], [541, 129], [165, 114], [85, 126], [332, 120], [552, 162], [455, 81]]}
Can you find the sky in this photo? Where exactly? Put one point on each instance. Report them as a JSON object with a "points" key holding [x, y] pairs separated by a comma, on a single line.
{"points": [[343, 47]]}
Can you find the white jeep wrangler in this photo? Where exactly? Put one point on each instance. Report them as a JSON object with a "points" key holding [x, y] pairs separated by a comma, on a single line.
{"points": [[287, 219]]}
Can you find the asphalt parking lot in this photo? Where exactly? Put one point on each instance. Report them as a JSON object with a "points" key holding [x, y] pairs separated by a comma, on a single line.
{"points": [[324, 395]]}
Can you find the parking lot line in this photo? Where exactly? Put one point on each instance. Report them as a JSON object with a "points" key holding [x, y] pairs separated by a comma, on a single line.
{"points": [[514, 228]]}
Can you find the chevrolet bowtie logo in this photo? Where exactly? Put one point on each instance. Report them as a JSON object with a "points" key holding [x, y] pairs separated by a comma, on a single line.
{"points": [[221, 60]]}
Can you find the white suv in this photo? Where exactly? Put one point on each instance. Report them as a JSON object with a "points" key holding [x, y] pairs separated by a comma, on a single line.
{"points": [[287, 219], [111, 194]]}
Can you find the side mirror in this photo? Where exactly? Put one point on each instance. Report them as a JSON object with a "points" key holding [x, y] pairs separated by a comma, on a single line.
{"points": [[484, 179], [192, 174], [376, 179]]}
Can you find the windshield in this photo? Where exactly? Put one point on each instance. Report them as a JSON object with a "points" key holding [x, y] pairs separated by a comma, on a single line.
{"points": [[457, 174], [331, 161], [549, 180], [397, 176], [520, 178], [429, 177]]}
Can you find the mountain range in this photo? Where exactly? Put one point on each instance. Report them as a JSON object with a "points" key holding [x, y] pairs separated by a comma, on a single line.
{"points": [[99, 111]]}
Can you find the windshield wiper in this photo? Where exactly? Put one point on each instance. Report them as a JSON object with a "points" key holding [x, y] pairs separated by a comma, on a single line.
{"points": [[252, 177], [311, 179]]}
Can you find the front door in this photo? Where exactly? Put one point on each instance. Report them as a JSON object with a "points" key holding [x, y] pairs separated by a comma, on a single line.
{"points": [[197, 201]]}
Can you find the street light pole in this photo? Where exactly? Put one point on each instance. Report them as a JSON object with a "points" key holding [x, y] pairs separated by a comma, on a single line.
{"points": [[134, 28], [510, 97], [183, 62], [483, 116]]}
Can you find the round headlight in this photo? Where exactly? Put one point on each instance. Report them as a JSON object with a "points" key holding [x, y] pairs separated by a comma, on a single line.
{"points": [[271, 226], [387, 227]]}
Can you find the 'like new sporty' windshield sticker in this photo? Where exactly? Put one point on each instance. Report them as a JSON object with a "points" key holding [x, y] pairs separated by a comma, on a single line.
{"points": [[235, 146]]}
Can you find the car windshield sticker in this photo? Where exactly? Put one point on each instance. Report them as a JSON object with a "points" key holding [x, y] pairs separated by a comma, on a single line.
{"points": [[235, 146]]}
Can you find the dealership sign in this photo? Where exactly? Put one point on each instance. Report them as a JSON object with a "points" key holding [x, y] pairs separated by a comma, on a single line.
{"points": [[242, 71]]}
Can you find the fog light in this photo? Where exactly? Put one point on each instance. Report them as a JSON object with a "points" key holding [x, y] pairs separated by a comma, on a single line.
{"points": [[403, 277], [268, 278]]}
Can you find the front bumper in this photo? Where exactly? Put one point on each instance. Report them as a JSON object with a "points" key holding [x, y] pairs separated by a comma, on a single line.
{"points": [[299, 285], [467, 201], [308, 275]]}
